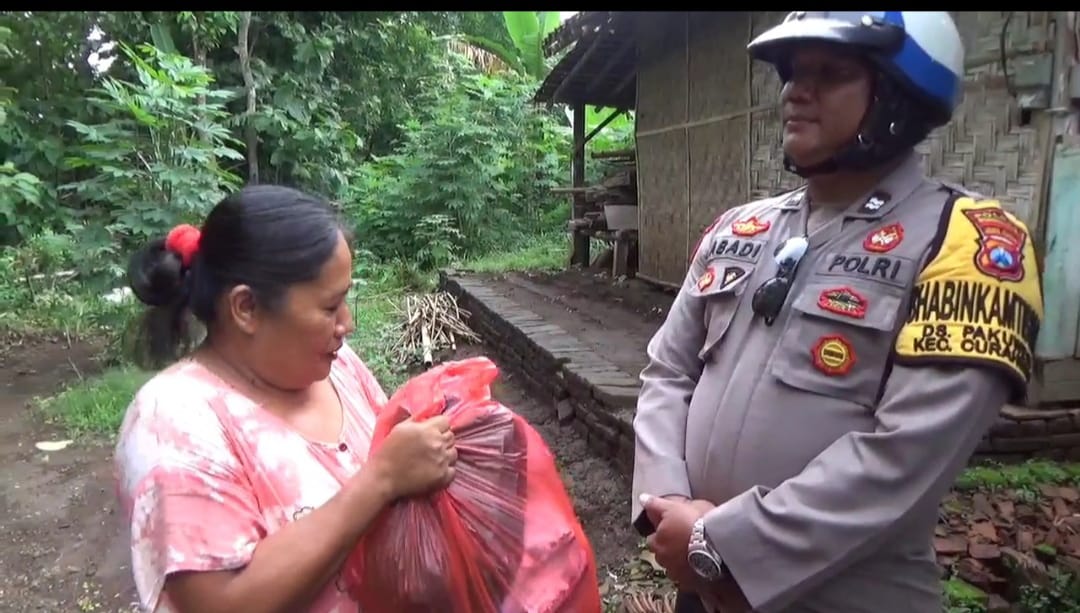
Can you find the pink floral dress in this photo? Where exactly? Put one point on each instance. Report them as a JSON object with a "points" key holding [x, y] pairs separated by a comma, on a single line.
{"points": [[204, 473]]}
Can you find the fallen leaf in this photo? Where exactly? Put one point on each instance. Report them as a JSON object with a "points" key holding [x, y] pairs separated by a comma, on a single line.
{"points": [[1007, 509], [977, 574], [1025, 540], [997, 604], [982, 506], [1061, 509], [1050, 491], [981, 551], [1022, 561], [1069, 493], [950, 545], [1025, 513], [1070, 563], [1047, 511], [984, 530], [52, 445], [1052, 538]]}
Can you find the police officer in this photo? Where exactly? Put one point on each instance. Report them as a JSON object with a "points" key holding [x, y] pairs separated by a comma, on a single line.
{"points": [[835, 353]]}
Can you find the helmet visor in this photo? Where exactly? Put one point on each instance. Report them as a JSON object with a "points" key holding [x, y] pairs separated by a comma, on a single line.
{"points": [[869, 31]]}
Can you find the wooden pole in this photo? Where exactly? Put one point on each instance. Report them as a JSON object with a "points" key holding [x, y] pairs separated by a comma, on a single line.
{"points": [[580, 254]]}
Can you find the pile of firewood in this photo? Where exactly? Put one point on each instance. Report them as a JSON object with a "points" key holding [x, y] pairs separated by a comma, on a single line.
{"points": [[647, 602], [430, 323]]}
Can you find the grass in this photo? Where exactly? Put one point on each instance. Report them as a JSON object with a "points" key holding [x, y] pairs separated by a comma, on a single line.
{"points": [[96, 405], [544, 252], [962, 597], [1025, 476]]}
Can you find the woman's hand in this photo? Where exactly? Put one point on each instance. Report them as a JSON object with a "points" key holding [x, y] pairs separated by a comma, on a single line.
{"points": [[416, 457]]}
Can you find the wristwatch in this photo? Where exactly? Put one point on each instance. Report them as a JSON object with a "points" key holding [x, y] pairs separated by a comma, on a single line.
{"points": [[702, 557]]}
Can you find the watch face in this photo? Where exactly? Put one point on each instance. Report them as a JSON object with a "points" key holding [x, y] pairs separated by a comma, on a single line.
{"points": [[704, 565]]}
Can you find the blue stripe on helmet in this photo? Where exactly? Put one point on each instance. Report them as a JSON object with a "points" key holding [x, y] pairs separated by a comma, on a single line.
{"points": [[927, 73], [894, 17]]}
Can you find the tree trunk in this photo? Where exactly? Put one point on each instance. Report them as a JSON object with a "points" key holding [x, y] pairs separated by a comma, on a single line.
{"points": [[200, 59], [244, 51]]}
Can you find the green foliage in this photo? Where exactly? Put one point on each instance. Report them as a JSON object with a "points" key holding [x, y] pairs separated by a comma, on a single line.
{"points": [[21, 202], [116, 126], [962, 597], [156, 158], [1062, 595], [1025, 476], [473, 174], [95, 406]]}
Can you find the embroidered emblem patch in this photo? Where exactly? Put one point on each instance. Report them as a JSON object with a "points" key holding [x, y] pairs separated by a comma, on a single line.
{"points": [[706, 279], [1001, 244], [750, 227], [833, 355], [876, 201], [884, 239], [843, 301], [731, 275]]}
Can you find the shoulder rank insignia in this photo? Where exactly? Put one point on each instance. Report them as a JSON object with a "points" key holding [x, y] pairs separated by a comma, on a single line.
{"points": [[750, 227]]}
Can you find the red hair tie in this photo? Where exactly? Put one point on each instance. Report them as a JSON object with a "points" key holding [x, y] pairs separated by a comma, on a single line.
{"points": [[183, 240]]}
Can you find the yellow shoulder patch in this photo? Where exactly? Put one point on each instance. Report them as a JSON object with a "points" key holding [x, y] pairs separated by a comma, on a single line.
{"points": [[979, 298]]}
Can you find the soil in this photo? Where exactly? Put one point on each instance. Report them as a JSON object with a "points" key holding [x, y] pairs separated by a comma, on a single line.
{"points": [[61, 541]]}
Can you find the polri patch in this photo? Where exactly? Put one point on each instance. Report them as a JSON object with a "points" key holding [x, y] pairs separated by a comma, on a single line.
{"points": [[1001, 244], [884, 239], [731, 275], [750, 227], [833, 355], [843, 301], [706, 280]]}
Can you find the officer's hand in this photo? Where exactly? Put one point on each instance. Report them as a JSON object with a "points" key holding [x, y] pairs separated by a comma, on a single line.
{"points": [[673, 520], [702, 505]]}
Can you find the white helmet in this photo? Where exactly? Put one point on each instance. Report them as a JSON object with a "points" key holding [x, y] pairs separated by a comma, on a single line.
{"points": [[920, 52]]}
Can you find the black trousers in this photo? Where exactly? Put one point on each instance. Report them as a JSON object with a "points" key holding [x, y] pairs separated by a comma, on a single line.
{"points": [[686, 602]]}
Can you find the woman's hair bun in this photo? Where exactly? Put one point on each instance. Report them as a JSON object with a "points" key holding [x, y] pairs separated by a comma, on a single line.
{"points": [[156, 275]]}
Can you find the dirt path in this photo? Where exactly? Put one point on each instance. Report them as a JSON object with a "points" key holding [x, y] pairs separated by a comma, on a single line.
{"points": [[61, 545]]}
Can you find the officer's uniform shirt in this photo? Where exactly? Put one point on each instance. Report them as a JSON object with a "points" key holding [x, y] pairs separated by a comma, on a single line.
{"points": [[828, 438]]}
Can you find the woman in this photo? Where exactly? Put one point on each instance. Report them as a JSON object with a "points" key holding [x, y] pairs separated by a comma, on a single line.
{"points": [[243, 465]]}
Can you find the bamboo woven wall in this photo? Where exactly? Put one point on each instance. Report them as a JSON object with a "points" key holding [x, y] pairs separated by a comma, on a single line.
{"points": [[662, 157], [709, 136], [691, 132]]}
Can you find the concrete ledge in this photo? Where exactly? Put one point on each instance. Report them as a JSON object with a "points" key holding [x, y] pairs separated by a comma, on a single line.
{"points": [[582, 387], [600, 398]]}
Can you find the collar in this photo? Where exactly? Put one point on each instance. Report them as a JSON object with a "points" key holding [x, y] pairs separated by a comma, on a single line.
{"points": [[793, 201], [892, 189]]}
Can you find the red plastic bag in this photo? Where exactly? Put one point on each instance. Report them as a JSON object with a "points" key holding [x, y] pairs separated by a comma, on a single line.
{"points": [[503, 537]]}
